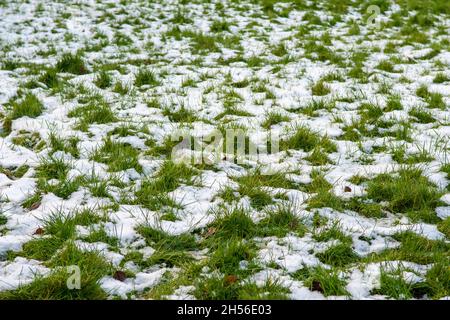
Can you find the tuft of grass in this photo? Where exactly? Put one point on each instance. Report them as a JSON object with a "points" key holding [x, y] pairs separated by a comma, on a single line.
{"points": [[170, 249], [436, 100], [273, 118], [28, 106], [421, 115], [393, 103], [251, 185], [221, 288], [54, 286], [394, 286], [71, 63], [444, 227], [407, 192], [318, 157], [103, 80], [50, 78], [438, 279], [227, 257], [232, 224], [99, 113], [279, 222], [52, 168], [327, 282], [332, 232], [305, 139], [320, 89], [67, 145], [413, 248], [118, 156], [153, 191], [220, 26], [145, 77], [386, 65], [3, 219], [441, 78], [181, 115], [338, 256]]}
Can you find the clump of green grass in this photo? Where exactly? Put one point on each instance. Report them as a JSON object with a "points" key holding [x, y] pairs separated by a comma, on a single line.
{"points": [[446, 168], [441, 78], [436, 100], [30, 140], [279, 222], [332, 231], [339, 255], [54, 286], [52, 168], [320, 89], [165, 148], [400, 156], [394, 286], [328, 282], [438, 279], [220, 26], [314, 106], [71, 63], [153, 191], [370, 111], [227, 257], [326, 199], [227, 288], [433, 99], [28, 106], [203, 43], [413, 248], [421, 115], [318, 157], [251, 185], [407, 192], [181, 115], [63, 189], [232, 224], [99, 113], [280, 50], [304, 138], [273, 118], [170, 250], [67, 145], [103, 80], [50, 78], [422, 91], [59, 228], [386, 65], [15, 172], [118, 156], [120, 88], [3, 219], [145, 77], [393, 103], [444, 227], [10, 64]]}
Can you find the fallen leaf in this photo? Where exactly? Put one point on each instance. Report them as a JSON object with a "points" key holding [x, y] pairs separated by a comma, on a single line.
{"points": [[231, 279], [120, 275], [39, 231], [316, 286], [210, 232], [35, 205]]}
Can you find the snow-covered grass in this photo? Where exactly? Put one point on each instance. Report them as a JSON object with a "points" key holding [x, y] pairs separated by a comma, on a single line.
{"points": [[353, 204]]}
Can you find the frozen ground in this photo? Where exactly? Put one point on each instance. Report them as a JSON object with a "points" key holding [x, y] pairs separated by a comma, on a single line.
{"points": [[354, 205]]}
